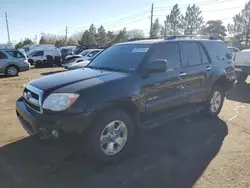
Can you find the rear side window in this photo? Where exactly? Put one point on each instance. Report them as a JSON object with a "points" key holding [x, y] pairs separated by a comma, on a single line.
{"points": [[15, 54], [217, 51], [204, 58], [3, 56], [168, 51], [191, 53]]}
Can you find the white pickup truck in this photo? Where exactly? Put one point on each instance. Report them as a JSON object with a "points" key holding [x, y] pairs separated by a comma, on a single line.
{"points": [[242, 65]]}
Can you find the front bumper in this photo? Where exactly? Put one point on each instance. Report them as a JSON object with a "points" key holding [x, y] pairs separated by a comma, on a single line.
{"points": [[43, 125]]}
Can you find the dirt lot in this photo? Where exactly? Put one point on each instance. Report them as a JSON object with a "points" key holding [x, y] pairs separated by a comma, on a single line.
{"points": [[193, 152]]}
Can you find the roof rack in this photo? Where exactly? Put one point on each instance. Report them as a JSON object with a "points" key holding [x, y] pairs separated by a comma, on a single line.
{"points": [[172, 37]]}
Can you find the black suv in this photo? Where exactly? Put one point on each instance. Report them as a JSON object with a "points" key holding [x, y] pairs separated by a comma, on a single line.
{"points": [[138, 84]]}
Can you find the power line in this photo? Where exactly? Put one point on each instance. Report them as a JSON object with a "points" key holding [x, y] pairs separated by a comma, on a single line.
{"points": [[200, 3], [122, 24], [208, 10], [126, 18]]}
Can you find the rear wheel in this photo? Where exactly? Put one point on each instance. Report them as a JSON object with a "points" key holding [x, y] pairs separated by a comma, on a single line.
{"points": [[214, 101], [111, 136], [12, 70], [31, 61], [241, 77]]}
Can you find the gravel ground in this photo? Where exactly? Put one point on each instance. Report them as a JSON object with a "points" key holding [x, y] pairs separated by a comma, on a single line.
{"points": [[192, 152]]}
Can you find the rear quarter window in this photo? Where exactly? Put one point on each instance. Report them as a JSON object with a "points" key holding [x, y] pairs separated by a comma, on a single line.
{"points": [[15, 54], [217, 51], [3, 56]]}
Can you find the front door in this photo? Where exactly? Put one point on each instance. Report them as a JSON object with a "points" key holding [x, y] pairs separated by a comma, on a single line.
{"points": [[166, 89]]}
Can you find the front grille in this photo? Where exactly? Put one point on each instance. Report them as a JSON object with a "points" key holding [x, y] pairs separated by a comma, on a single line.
{"points": [[32, 106], [32, 98], [34, 95]]}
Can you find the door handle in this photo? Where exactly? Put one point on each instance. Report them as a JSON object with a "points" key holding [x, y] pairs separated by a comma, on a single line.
{"points": [[208, 68], [182, 74]]}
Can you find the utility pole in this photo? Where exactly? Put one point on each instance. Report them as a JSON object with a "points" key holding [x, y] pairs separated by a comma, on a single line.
{"points": [[66, 33], [151, 19], [7, 26]]}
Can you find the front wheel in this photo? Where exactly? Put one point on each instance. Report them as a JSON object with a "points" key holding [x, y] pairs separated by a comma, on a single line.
{"points": [[111, 136], [214, 101]]}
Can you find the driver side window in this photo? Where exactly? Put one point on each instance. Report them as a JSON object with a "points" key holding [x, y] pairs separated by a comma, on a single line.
{"points": [[167, 51]]}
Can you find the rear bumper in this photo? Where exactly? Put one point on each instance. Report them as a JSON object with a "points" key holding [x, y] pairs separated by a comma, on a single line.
{"points": [[43, 125], [25, 68]]}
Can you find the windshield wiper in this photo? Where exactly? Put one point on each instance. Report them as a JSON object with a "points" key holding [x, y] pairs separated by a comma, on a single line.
{"points": [[108, 69]]}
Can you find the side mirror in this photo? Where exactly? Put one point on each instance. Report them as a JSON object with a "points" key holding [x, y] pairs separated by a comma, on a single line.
{"points": [[159, 65]]}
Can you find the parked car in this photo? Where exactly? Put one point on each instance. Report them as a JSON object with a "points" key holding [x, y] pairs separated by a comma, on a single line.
{"points": [[78, 65], [66, 50], [242, 65], [233, 50], [84, 55], [12, 62], [7, 46], [41, 55], [139, 84]]}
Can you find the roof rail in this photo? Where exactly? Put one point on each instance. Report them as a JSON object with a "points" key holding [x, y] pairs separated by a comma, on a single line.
{"points": [[146, 38], [172, 37]]}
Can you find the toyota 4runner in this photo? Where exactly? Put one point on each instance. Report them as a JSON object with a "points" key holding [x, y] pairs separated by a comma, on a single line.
{"points": [[136, 84]]}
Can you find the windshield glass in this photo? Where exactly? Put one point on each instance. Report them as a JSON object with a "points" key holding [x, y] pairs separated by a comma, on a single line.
{"points": [[84, 53], [125, 58]]}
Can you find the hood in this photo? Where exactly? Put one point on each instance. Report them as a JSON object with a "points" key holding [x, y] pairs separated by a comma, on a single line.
{"points": [[80, 64], [73, 56], [82, 77]]}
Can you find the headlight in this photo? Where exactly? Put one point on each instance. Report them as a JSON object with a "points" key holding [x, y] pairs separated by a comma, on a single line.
{"points": [[59, 101]]}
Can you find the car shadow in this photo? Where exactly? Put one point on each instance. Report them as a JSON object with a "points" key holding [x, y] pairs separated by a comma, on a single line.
{"points": [[240, 92], [174, 155], [52, 72]]}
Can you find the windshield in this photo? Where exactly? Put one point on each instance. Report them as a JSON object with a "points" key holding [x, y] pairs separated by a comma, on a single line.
{"points": [[125, 58], [31, 54], [84, 53]]}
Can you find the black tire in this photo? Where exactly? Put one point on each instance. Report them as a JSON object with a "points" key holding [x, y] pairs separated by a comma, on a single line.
{"points": [[207, 109], [12, 70], [39, 64], [93, 146], [241, 77], [31, 61]]}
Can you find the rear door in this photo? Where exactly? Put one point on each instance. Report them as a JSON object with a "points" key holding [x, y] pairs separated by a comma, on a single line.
{"points": [[165, 90], [220, 55], [3, 61], [199, 67]]}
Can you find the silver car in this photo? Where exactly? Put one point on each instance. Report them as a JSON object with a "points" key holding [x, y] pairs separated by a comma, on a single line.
{"points": [[12, 62]]}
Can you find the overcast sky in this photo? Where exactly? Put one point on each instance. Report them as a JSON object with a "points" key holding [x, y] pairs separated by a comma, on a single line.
{"points": [[28, 18]]}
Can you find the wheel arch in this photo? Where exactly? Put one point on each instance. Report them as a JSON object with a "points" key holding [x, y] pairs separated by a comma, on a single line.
{"points": [[10, 65], [127, 106]]}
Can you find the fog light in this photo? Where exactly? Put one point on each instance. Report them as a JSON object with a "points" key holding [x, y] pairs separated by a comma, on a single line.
{"points": [[55, 133]]}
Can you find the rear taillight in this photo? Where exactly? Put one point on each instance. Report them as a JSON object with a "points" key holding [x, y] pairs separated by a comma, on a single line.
{"points": [[233, 59], [26, 61]]}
